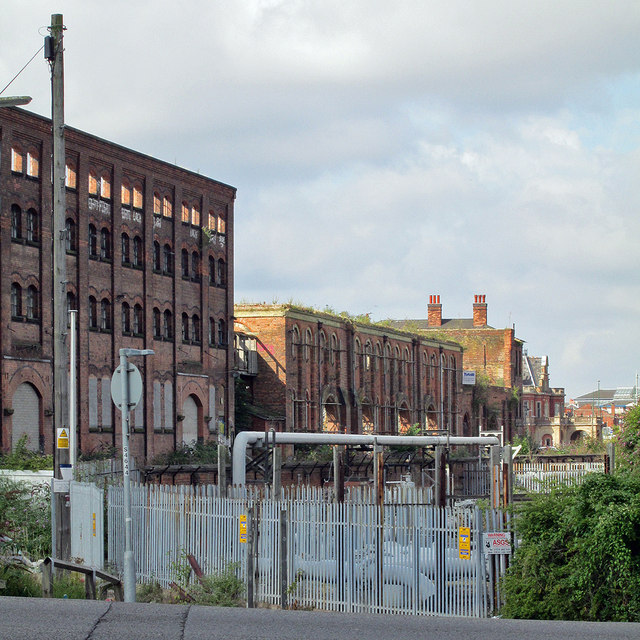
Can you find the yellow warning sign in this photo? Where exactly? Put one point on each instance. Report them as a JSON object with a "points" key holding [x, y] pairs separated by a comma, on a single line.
{"points": [[464, 543], [243, 528], [63, 438]]}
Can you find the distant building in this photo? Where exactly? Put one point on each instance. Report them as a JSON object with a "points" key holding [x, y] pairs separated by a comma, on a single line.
{"points": [[495, 355], [323, 372], [149, 265], [542, 405]]}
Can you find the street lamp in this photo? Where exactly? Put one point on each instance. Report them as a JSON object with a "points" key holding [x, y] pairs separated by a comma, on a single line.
{"points": [[15, 101]]}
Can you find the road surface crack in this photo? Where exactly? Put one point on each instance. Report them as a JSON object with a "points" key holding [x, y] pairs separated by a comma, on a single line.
{"points": [[98, 621]]}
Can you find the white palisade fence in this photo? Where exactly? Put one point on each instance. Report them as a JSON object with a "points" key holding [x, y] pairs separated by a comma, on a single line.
{"points": [[403, 557]]}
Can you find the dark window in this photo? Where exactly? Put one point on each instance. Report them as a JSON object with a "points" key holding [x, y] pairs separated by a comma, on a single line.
{"points": [[195, 329], [93, 313], [168, 325], [125, 248], [212, 331], [32, 226], [137, 251], [72, 236], [138, 320], [222, 334], [195, 266], [93, 242], [126, 318], [105, 315], [222, 272], [16, 222], [185, 327], [212, 270], [16, 300], [157, 328], [33, 308], [105, 244], [185, 263], [156, 256], [167, 260]]}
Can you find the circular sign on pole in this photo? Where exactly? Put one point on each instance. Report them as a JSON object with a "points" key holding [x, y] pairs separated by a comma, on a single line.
{"points": [[135, 386]]}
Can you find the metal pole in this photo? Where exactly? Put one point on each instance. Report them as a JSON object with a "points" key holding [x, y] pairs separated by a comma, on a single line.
{"points": [[129, 561], [73, 441]]}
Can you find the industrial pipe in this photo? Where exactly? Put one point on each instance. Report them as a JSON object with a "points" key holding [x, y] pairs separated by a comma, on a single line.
{"points": [[249, 438]]}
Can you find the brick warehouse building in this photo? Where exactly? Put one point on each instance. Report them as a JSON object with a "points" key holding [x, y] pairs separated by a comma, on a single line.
{"points": [[321, 372], [149, 265], [494, 354]]}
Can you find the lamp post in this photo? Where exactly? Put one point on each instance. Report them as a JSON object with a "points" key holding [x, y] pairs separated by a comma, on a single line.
{"points": [[126, 390]]}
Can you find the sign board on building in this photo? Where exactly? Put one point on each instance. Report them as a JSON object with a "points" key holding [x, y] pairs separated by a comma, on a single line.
{"points": [[497, 542], [469, 377]]}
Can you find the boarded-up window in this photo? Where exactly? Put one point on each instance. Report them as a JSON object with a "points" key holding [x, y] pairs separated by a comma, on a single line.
{"points": [[93, 402], [106, 403]]}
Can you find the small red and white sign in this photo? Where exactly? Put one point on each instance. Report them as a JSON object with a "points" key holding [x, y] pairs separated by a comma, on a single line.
{"points": [[497, 542]]}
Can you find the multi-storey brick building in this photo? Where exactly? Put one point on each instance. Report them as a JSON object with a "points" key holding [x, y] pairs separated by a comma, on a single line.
{"points": [[494, 354], [149, 266], [321, 372]]}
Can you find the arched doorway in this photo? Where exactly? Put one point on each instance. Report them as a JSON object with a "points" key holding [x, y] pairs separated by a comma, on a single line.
{"points": [[404, 419], [26, 417], [576, 436], [331, 415], [190, 421]]}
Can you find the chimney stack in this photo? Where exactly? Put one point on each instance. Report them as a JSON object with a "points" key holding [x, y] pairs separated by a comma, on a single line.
{"points": [[434, 311], [479, 311]]}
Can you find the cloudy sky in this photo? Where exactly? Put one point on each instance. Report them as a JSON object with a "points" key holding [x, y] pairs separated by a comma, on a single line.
{"points": [[384, 151]]}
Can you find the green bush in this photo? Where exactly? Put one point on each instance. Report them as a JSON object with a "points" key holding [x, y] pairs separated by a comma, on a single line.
{"points": [[223, 589], [194, 453], [23, 459], [19, 582], [25, 517], [579, 558]]}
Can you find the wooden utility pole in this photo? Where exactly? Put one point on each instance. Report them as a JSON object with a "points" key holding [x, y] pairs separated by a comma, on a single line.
{"points": [[54, 52]]}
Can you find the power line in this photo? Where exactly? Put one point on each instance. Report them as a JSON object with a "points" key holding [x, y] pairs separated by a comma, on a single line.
{"points": [[21, 70]]}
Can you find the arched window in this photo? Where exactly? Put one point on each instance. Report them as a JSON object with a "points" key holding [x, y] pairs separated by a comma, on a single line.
{"points": [[185, 212], [333, 349], [105, 244], [105, 315], [33, 308], [93, 313], [212, 332], [137, 251], [137, 197], [212, 221], [16, 300], [125, 193], [16, 159], [157, 204], [16, 222], [33, 163], [71, 235], [126, 318], [222, 332], [195, 215], [185, 263], [167, 207], [157, 325], [167, 260], [185, 327], [70, 176], [195, 266], [295, 342], [222, 225], [195, 329], [308, 341], [212, 270], [124, 241], [93, 183], [71, 304], [156, 256], [32, 226], [138, 320], [222, 272], [93, 242], [168, 325], [105, 186]]}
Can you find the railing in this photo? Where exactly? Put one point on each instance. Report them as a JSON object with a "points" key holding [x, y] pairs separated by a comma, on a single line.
{"points": [[402, 557], [541, 477], [90, 574]]}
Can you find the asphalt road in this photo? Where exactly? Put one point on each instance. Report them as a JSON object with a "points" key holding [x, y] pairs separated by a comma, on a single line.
{"points": [[31, 618]]}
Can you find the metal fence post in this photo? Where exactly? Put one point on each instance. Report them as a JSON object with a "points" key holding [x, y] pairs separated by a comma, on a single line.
{"points": [[283, 560]]}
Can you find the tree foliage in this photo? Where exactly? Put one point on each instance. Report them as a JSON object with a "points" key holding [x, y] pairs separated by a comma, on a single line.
{"points": [[579, 558], [628, 439]]}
